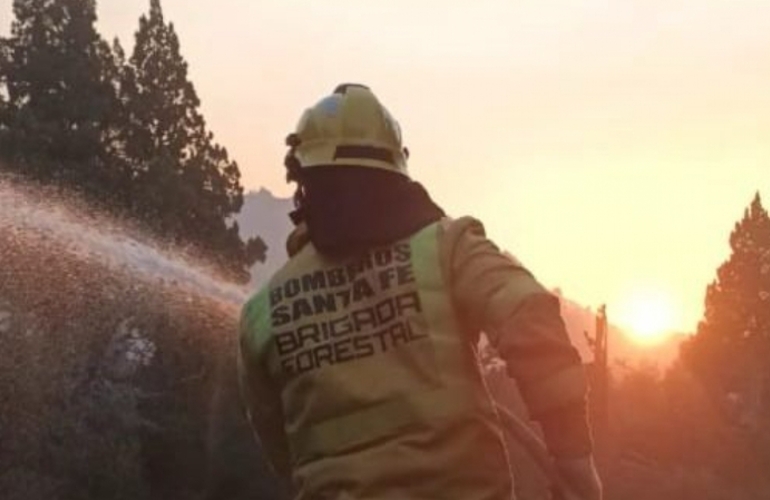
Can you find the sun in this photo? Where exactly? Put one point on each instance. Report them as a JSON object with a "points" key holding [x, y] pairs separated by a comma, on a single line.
{"points": [[648, 316]]}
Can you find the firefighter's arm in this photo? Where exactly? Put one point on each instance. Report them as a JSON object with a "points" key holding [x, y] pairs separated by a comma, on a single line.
{"points": [[263, 408], [494, 293]]}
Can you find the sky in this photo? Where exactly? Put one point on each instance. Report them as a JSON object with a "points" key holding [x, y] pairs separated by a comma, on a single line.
{"points": [[609, 145]]}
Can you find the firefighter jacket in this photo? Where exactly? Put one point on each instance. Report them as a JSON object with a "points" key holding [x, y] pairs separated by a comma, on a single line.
{"points": [[361, 376]]}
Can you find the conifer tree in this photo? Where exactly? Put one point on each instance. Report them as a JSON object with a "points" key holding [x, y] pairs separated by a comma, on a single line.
{"points": [[128, 134], [731, 349], [190, 188], [58, 115]]}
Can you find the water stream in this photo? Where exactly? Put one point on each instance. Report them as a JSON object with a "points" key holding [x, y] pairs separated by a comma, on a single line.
{"points": [[31, 213]]}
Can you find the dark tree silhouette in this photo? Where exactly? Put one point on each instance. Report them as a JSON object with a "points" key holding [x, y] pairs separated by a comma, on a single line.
{"points": [[190, 189], [127, 134], [58, 117], [731, 349]]}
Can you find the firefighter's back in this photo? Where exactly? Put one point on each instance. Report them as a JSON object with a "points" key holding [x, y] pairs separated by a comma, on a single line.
{"points": [[382, 396]]}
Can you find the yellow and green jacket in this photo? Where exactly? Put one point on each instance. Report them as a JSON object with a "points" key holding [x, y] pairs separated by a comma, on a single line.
{"points": [[361, 378]]}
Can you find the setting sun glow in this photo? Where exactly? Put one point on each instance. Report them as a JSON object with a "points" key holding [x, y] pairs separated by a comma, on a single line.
{"points": [[647, 317]]}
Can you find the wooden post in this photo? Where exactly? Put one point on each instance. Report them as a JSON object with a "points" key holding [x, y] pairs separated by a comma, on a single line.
{"points": [[599, 377]]}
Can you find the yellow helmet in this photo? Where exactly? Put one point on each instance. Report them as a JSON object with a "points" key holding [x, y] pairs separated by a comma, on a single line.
{"points": [[350, 127]]}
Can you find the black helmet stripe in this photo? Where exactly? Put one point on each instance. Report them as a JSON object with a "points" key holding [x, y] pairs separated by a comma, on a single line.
{"points": [[364, 153]]}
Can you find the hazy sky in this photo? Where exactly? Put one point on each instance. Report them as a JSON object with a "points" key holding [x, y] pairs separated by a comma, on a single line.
{"points": [[610, 145]]}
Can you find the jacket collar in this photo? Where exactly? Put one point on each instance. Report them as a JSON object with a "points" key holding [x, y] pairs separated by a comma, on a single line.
{"points": [[297, 240]]}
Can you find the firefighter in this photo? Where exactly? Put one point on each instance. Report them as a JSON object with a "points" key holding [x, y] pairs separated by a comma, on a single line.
{"points": [[358, 362]]}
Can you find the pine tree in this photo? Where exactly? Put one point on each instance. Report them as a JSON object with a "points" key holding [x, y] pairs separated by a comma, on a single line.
{"points": [[58, 117], [732, 346], [128, 134], [164, 120], [188, 188]]}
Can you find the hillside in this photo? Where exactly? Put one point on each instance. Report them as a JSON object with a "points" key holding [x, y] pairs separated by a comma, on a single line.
{"points": [[266, 216]]}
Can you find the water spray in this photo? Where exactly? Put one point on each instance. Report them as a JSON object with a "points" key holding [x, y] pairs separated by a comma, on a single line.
{"points": [[53, 224]]}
